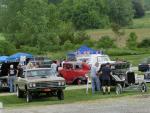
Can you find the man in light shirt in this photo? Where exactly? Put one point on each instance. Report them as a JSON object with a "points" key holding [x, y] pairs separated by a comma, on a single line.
{"points": [[94, 78]]}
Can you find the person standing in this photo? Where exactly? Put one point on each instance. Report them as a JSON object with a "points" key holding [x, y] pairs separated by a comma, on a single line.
{"points": [[12, 78], [106, 73], [54, 67], [94, 78], [19, 71]]}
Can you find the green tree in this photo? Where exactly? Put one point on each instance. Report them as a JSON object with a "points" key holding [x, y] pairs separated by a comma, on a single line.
{"points": [[84, 14], [120, 12], [138, 7], [31, 22]]}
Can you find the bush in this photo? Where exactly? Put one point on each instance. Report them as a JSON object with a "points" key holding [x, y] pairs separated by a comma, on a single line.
{"points": [[121, 52], [145, 43], [132, 41], [105, 42], [33, 50], [80, 36], [67, 45], [6, 48]]}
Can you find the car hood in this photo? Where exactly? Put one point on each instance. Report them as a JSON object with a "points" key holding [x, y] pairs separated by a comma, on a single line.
{"points": [[52, 79]]}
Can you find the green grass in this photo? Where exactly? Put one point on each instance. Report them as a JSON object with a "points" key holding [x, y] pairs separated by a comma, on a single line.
{"points": [[134, 59], [143, 22], [71, 96], [140, 26]]}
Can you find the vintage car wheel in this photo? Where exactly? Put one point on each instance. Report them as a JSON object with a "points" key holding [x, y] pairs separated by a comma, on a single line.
{"points": [[19, 93], [118, 89], [143, 87], [60, 95], [28, 96]]}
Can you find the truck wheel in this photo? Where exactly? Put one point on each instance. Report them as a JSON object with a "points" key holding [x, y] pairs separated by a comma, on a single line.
{"points": [[60, 95], [143, 87], [19, 93], [79, 82], [118, 89], [28, 97]]}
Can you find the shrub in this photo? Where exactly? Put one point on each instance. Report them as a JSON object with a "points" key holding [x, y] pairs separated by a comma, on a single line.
{"points": [[67, 45], [121, 52], [105, 42], [6, 48], [145, 43], [132, 41]]}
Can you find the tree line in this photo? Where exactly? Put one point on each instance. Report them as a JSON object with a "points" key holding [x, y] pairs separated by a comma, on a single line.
{"points": [[40, 26]]}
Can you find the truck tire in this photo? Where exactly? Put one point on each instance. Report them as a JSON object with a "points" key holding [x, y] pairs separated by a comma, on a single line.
{"points": [[19, 93], [143, 87], [60, 95], [118, 89], [28, 97]]}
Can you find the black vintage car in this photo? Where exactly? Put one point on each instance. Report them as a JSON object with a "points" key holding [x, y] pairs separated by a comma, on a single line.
{"points": [[144, 65]]}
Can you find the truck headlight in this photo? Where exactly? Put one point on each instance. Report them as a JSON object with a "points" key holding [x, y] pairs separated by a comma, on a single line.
{"points": [[32, 85], [62, 83], [59, 83]]}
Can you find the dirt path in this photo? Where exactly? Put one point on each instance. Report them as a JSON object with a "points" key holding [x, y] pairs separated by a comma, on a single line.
{"points": [[134, 104]]}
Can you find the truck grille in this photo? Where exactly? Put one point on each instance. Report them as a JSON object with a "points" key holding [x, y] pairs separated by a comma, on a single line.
{"points": [[48, 84]]}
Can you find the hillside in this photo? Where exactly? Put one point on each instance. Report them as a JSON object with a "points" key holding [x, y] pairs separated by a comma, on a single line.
{"points": [[140, 26]]}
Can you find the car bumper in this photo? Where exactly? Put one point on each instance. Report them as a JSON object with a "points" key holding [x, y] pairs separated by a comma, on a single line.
{"points": [[46, 89]]}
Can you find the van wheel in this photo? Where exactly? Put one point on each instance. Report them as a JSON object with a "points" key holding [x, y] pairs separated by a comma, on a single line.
{"points": [[60, 95]]}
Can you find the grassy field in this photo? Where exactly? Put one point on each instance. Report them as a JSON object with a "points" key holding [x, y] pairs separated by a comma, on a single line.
{"points": [[140, 26], [71, 96], [134, 59], [143, 22], [142, 33]]}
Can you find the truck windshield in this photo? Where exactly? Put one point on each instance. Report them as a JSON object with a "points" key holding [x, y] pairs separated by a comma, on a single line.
{"points": [[103, 59], [40, 73]]}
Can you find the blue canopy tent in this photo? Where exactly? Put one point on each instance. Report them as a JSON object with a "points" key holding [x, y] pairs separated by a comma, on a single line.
{"points": [[17, 56], [87, 50], [3, 58], [82, 50]]}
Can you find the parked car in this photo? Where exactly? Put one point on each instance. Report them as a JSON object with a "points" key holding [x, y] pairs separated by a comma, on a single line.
{"points": [[74, 72], [144, 65], [37, 81]]}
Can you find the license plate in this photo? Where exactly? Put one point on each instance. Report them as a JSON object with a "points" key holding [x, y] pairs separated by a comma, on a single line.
{"points": [[47, 90]]}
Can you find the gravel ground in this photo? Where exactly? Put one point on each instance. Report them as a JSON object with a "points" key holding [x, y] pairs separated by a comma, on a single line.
{"points": [[133, 104]]}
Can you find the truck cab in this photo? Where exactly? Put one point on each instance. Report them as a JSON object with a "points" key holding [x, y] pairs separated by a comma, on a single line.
{"points": [[91, 59]]}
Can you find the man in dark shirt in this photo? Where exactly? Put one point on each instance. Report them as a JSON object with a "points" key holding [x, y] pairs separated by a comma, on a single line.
{"points": [[11, 78], [106, 72], [19, 71]]}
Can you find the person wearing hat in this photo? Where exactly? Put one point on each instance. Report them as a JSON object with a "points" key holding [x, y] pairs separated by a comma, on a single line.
{"points": [[11, 78], [105, 77]]}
